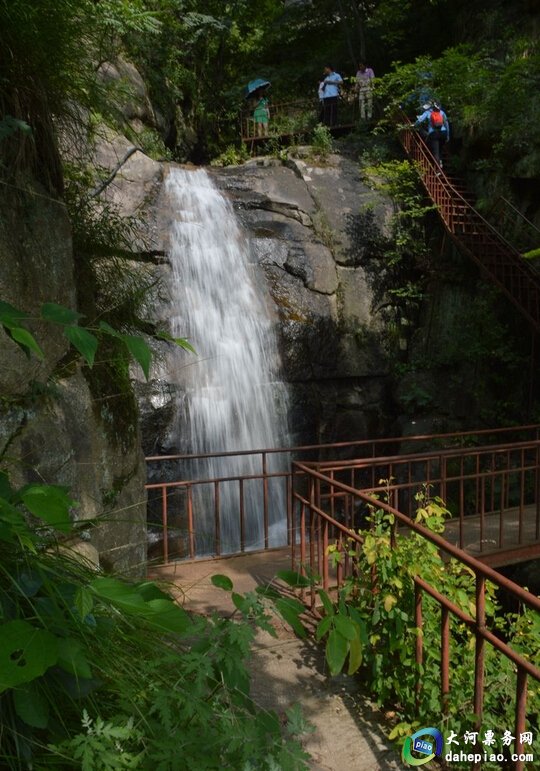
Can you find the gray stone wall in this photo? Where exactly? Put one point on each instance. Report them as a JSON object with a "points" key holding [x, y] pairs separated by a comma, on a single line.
{"points": [[52, 427]]}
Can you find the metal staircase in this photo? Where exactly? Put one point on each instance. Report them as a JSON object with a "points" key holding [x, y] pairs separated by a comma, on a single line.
{"points": [[501, 262]]}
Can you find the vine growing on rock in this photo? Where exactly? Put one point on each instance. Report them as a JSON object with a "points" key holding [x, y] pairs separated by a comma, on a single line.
{"points": [[395, 254]]}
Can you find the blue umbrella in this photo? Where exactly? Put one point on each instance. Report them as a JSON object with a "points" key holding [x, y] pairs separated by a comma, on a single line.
{"points": [[254, 85]]}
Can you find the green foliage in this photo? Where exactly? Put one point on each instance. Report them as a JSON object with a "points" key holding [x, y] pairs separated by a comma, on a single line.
{"points": [[231, 156], [375, 611], [345, 634], [52, 52], [398, 262], [86, 342], [321, 142], [486, 88], [156, 687]]}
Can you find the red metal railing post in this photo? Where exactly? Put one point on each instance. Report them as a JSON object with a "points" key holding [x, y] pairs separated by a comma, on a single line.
{"points": [[191, 531], [479, 648], [521, 706], [290, 503], [242, 515], [326, 582], [164, 522], [217, 523], [445, 658], [293, 517], [537, 491], [265, 498]]}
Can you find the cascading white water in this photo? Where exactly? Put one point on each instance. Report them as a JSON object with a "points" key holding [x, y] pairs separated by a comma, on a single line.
{"points": [[234, 399]]}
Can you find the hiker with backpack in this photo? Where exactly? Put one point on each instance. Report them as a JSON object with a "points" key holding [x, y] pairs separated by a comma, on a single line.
{"points": [[438, 128]]}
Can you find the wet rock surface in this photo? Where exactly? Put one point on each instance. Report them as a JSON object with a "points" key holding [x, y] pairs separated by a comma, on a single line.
{"points": [[295, 216]]}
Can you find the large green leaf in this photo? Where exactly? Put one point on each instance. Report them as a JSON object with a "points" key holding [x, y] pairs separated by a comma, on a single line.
{"points": [[293, 578], [169, 616], [25, 653], [104, 327], [336, 651], [72, 658], [355, 654], [9, 315], [50, 503], [84, 601], [25, 340], [59, 314], [160, 612], [241, 603], [31, 706], [291, 616], [327, 603], [119, 593], [140, 352], [323, 627], [151, 591], [85, 342], [180, 341], [346, 627], [222, 582]]}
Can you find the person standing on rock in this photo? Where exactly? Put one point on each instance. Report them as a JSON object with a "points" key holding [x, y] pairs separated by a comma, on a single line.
{"points": [[261, 114], [364, 86], [330, 93]]}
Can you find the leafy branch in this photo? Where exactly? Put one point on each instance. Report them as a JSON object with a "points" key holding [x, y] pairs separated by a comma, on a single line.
{"points": [[84, 339]]}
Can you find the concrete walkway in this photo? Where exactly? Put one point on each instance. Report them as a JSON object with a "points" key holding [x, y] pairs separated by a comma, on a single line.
{"points": [[287, 671]]}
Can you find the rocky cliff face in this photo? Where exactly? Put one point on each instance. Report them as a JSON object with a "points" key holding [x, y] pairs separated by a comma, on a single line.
{"points": [[52, 427], [294, 215]]}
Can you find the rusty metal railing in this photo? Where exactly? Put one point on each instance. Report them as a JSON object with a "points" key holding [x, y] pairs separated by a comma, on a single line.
{"points": [[473, 234], [315, 528], [493, 494], [296, 118], [187, 507], [517, 228]]}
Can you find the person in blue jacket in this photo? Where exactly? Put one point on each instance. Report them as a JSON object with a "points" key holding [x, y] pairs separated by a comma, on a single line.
{"points": [[331, 82], [438, 128]]}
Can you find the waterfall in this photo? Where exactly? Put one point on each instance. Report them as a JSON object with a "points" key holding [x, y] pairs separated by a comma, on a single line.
{"points": [[233, 398]]}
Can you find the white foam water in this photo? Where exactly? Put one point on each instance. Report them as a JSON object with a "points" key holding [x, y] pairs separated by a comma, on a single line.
{"points": [[233, 396]]}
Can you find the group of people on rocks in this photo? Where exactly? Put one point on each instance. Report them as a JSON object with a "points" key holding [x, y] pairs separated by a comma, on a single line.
{"points": [[433, 121]]}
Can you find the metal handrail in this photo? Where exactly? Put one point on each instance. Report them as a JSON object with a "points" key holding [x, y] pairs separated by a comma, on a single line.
{"points": [[314, 543], [354, 443], [523, 595], [483, 243], [502, 205]]}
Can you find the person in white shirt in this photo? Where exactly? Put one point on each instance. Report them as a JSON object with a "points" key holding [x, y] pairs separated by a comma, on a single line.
{"points": [[330, 92], [364, 86]]}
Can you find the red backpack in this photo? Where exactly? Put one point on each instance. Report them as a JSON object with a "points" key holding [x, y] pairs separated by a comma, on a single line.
{"points": [[436, 119]]}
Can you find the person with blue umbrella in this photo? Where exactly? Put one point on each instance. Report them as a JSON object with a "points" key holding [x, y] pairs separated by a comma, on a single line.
{"points": [[256, 90]]}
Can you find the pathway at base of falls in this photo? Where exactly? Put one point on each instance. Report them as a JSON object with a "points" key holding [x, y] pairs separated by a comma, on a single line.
{"points": [[286, 671]]}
